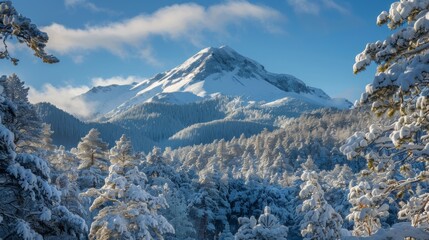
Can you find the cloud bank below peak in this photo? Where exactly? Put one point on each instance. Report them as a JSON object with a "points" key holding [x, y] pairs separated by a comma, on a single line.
{"points": [[68, 97], [188, 21]]}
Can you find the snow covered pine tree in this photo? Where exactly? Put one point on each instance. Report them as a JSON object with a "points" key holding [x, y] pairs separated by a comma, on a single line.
{"points": [[30, 206], [127, 210], [320, 219], [397, 152], [92, 150], [266, 228], [27, 125], [14, 25]]}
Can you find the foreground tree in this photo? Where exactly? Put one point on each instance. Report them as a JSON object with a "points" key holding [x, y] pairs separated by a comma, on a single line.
{"points": [[400, 90], [164, 178], [320, 219], [14, 25], [209, 207], [368, 207], [122, 153], [266, 228], [91, 151], [126, 209], [26, 125], [30, 206]]}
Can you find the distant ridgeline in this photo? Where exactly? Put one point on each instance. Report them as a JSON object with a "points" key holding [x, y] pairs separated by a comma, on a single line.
{"points": [[151, 124]]}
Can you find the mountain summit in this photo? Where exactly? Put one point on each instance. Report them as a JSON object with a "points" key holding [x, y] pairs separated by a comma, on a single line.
{"points": [[210, 73]]}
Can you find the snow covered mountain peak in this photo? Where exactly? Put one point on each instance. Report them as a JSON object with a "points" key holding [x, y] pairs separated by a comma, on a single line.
{"points": [[213, 60], [209, 73]]}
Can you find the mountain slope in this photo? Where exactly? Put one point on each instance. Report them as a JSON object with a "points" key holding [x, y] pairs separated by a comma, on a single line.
{"points": [[68, 130], [209, 73], [159, 124]]}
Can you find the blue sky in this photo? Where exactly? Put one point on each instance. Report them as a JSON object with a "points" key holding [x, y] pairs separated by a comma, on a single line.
{"points": [[104, 41]]}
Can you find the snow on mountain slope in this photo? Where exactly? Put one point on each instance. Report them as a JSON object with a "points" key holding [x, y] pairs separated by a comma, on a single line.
{"points": [[209, 73], [217, 129], [107, 98]]}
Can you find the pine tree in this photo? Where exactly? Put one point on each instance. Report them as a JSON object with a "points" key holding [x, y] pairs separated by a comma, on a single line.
{"points": [[126, 209], [266, 228], [91, 150], [246, 228], [226, 234], [46, 138], [67, 185], [30, 207], [368, 208], [15, 25], [26, 125], [164, 179], [209, 206], [45, 146], [320, 220], [400, 92], [177, 215], [63, 161], [122, 152]]}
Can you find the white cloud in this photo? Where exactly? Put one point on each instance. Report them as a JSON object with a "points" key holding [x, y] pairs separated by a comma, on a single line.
{"points": [[78, 59], [148, 56], [181, 21], [72, 3], [315, 6], [67, 97], [86, 4], [64, 98], [116, 80], [333, 5], [305, 6]]}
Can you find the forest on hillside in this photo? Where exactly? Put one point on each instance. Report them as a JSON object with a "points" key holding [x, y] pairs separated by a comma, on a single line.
{"points": [[326, 174]]}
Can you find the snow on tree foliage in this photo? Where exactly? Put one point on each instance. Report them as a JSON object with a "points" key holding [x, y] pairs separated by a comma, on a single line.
{"points": [[320, 221], [209, 206], [246, 228], [368, 207], [266, 228], [177, 215], [66, 183], [175, 186], [122, 152], [63, 161], [26, 123], [397, 150], [127, 210], [46, 139], [402, 230], [226, 234], [91, 151], [14, 25], [161, 170], [30, 206]]}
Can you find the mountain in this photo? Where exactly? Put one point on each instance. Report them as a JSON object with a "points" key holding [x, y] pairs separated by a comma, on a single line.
{"points": [[215, 94], [210, 73]]}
